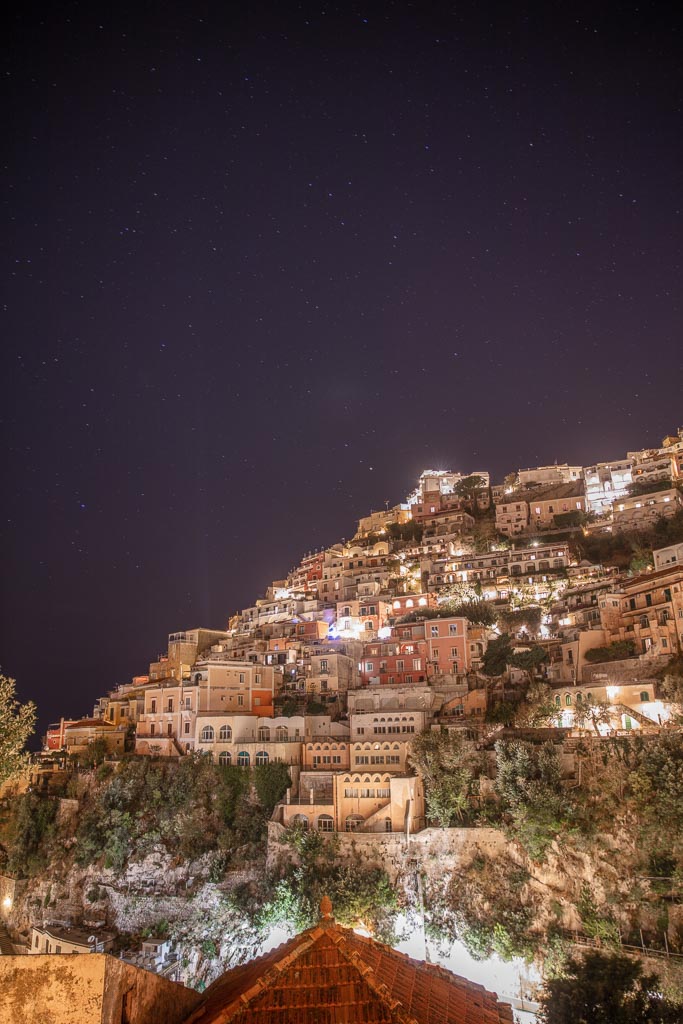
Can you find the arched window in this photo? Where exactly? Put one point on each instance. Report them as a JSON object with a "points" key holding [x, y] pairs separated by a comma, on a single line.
{"points": [[409, 603], [589, 696], [558, 700], [301, 820], [387, 824], [262, 757], [225, 758], [579, 697], [354, 822], [264, 732], [207, 735], [281, 733], [225, 733], [568, 699], [422, 602], [644, 695], [325, 823], [243, 759]]}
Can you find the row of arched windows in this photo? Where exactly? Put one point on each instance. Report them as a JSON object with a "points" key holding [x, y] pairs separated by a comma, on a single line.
{"points": [[243, 758], [208, 733]]}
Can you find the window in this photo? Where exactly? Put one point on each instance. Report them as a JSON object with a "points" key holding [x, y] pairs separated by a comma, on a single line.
{"points": [[262, 757], [243, 759], [186, 728], [207, 734], [169, 707], [453, 629], [568, 699], [353, 823], [434, 630], [417, 663], [325, 823], [400, 665], [153, 706], [169, 729], [264, 732], [644, 695], [240, 700], [225, 758], [225, 733], [152, 729], [368, 666], [369, 626], [323, 665]]}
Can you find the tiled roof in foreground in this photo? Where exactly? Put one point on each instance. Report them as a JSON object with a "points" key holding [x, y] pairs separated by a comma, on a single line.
{"points": [[330, 975]]}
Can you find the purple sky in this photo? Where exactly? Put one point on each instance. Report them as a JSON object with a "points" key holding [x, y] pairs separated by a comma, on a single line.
{"points": [[263, 268]]}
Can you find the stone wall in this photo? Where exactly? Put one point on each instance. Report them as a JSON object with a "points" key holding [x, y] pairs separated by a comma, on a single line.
{"points": [[608, 673], [88, 989], [432, 851]]}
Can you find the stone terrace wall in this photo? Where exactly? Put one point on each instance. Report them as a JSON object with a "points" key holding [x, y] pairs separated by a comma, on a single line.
{"points": [[432, 851]]}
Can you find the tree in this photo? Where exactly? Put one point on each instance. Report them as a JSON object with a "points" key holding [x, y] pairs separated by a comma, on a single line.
{"points": [[604, 989], [448, 764], [589, 711], [539, 707], [495, 660], [16, 725], [529, 661], [469, 487]]}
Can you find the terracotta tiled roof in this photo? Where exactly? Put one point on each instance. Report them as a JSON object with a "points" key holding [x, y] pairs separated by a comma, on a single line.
{"points": [[330, 975]]}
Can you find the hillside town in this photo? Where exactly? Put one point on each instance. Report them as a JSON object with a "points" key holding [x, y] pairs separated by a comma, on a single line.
{"points": [[372, 641]]}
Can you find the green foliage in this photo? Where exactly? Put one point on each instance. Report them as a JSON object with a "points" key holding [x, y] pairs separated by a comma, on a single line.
{"points": [[359, 893], [478, 612], [191, 807], [657, 786], [31, 830], [596, 925], [410, 531], [496, 655], [617, 651], [448, 764], [529, 661], [483, 905], [514, 619], [271, 782], [528, 783], [16, 725], [564, 520], [603, 989]]}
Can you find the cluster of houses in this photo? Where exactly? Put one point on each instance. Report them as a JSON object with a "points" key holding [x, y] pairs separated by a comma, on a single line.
{"points": [[339, 666]]}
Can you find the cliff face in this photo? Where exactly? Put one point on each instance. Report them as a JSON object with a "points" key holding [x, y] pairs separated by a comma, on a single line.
{"points": [[141, 851]]}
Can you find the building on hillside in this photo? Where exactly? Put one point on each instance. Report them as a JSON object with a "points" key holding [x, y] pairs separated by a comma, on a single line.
{"points": [[377, 522], [326, 753], [568, 666], [643, 510], [648, 610], [512, 517], [557, 474], [447, 646], [55, 735], [246, 740], [355, 801], [606, 482], [671, 555], [654, 465], [394, 663], [630, 707], [56, 939], [184, 647], [410, 604], [79, 736], [539, 558], [539, 509]]}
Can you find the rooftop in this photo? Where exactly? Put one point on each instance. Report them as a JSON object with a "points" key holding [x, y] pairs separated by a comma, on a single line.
{"points": [[331, 974]]}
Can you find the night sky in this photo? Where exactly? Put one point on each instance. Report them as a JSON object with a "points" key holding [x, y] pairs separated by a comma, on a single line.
{"points": [[265, 264]]}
